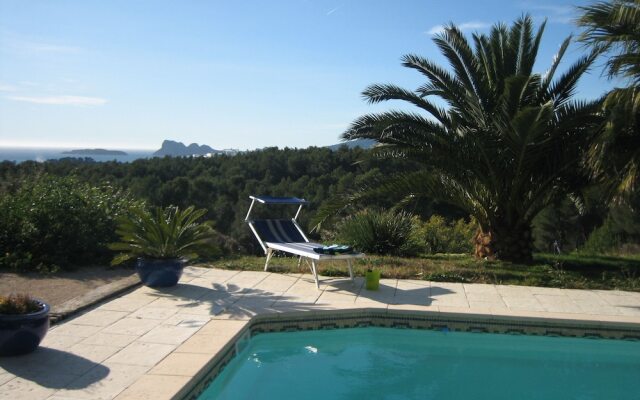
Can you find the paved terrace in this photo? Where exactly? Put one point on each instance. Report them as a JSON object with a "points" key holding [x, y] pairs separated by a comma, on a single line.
{"points": [[149, 343]]}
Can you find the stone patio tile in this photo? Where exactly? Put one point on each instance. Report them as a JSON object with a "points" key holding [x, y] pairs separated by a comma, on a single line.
{"points": [[204, 344], [480, 288], [619, 299], [141, 354], [446, 288], [95, 353], [132, 326], [154, 387], [127, 303], [109, 339], [450, 301], [599, 309], [484, 296], [246, 280], [412, 307], [245, 311], [184, 291], [219, 275], [222, 328], [578, 294], [523, 303], [182, 364], [71, 329], [513, 291], [413, 292], [466, 310], [168, 334], [287, 301], [547, 291], [385, 292], [631, 311], [195, 271], [5, 377], [99, 317], [106, 383], [151, 312], [366, 302], [303, 288], [23, 389], [208, 308], [187, 320], [45, 362], [59, 342], [336, 297], [174, 302], [561, 304], [491, 305], [276, 283]]}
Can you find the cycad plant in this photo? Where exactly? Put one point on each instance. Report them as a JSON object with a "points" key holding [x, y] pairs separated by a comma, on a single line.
{"points": [[493, 137], [163, 233], [613, 27]]}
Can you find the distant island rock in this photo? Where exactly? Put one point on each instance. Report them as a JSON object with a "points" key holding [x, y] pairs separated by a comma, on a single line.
{"points": [[95, 152], [178, 149], [351, 144]]}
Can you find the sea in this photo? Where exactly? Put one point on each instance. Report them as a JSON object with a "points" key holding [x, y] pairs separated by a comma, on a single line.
{"points": [[21, 154]]}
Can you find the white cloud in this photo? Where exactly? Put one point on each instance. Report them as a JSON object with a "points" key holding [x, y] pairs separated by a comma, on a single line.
{"points": [[554, 13], [61, 100], [464, 27], [436, 30], [7, 88], [333, 10]]}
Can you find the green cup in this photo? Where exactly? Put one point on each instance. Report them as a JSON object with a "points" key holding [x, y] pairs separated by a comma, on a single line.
{"points": [[372, 279]]}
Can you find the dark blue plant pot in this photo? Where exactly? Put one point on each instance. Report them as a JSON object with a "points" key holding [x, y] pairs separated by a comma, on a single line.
{"points": [[21, 334], [159, 272]]}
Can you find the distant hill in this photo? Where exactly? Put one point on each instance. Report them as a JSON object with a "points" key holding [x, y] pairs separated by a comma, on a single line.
{"points": [[362, 143], [178, 149], [95, 152]]}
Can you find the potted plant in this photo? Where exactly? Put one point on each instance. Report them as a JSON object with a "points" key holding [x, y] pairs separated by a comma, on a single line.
{"points": [[372, 279], [24, 322], [162, 240]]}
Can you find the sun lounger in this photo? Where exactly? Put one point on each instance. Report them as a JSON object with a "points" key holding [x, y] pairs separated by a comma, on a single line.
{"points": [[286, 235]]}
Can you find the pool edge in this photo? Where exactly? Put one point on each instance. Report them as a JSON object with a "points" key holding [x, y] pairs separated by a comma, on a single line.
{"points": [[514, 323]]}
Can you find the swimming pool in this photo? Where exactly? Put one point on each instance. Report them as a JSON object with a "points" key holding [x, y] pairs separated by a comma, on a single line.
{"points": [[386, 363]]}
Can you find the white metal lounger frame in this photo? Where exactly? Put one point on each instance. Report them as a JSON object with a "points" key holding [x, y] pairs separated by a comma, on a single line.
{"points": [[302, 249]]}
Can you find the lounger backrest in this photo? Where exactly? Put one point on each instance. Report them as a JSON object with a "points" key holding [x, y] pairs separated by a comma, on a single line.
{"points": [[278, 231]]}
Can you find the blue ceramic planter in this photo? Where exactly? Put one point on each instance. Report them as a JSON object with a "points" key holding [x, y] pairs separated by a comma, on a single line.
{"points": [[159, 272], [21, 334]]}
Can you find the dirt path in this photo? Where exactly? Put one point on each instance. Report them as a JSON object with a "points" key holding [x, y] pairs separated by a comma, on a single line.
{"points": [[62, 286]]}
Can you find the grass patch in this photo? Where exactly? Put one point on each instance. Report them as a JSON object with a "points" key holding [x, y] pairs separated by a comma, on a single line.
{"points": [[549, 270]]}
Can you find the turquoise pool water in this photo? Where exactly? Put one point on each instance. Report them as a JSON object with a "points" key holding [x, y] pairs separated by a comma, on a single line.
{"points": [[382, 363]]}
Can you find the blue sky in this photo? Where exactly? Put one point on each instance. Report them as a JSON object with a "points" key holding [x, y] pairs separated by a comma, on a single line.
{"points": [[231, 74]]}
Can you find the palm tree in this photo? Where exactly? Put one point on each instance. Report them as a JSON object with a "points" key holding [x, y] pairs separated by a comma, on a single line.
{"points": [[613, 28], [501, 143]]}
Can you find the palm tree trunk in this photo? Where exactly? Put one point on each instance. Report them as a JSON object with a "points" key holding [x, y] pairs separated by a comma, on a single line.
{"points": [[512, 244]]}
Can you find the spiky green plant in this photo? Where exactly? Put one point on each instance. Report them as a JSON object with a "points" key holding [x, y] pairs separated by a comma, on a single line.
{"points": [[502, 142], [613, 28], [382, 232], [163, 234]]}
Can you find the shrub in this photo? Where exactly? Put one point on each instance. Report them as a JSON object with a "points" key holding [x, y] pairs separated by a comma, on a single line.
{"points": [[381, 232], [603, 239], [52, 223], [441, 236]]}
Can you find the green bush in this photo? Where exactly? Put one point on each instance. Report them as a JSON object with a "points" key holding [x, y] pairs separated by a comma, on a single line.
{"points": [[381, 232], [441, 236], [603, 239], [52, 223]]}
